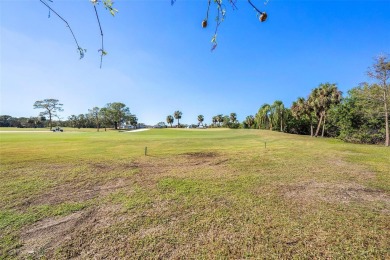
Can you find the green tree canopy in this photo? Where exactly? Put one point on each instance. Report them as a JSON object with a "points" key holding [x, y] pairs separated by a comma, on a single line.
{"points": [[378, 95], [94, 113], [50, 106], [116, 113]]}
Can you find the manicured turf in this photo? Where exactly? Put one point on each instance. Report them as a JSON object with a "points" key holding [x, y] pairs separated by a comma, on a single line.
{"points": [[208, 193]]}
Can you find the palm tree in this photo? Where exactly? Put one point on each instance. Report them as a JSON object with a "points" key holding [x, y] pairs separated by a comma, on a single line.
{"points": [[219, 119], [177, 116], [233, 117], [215, 120], [263, 117], [170, 120], [300, 109], [321, 100], [279, 114], [200, 119], [250, 120], [226, 121]]}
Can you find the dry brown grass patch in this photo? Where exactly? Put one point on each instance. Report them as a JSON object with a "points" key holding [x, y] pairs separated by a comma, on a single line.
{"points": [[200, 164], [71, 192], [312, 191]]}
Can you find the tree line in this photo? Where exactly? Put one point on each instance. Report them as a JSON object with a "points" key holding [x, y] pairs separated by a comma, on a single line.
{"points": [[219, 120], [362, 116], [112, 115]]}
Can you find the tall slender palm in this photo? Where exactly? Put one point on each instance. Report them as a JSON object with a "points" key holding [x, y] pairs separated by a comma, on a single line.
{"points": [[200, 119], [279, 114], [177, 116], [170, 120]]}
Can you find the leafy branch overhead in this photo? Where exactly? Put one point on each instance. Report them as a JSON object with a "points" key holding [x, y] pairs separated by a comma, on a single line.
{"points": [[221, 14], [109, 5]]}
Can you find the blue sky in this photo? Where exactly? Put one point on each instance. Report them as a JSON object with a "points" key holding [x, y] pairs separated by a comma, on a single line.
{"points": [[159, 57]]}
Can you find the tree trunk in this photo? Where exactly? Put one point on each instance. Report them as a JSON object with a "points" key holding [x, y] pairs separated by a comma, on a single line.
{"points": [[311, 126], [116, 125], [323, 126], [51, 125], [281, 124], [319, 124], [386, 120], [387, 141]]}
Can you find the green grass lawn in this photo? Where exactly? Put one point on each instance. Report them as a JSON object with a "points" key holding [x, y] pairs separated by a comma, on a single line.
{"points": [[209, 193]]}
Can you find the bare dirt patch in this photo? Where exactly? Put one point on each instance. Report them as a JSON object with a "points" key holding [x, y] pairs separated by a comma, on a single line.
{"points": [[311, 191], [50, 232], [45, 236]]}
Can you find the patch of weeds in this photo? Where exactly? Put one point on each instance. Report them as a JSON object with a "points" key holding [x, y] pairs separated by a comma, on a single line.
{"points": [[175, 188], [62, 209], [137, 198], [15, 190], [8, 244]]}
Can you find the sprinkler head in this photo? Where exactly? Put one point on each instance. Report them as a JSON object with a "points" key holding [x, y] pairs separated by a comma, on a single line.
{"points": [[204, 23], [263, 17]]}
